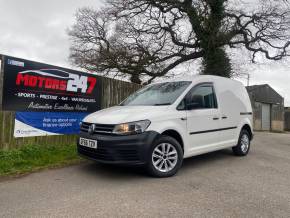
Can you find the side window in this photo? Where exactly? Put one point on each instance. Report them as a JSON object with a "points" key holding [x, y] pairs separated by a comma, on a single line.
{"points": [[182, 105], [202, 97]]}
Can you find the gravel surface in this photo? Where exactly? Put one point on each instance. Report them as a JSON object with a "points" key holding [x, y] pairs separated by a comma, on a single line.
{"points": [[212, 185]]}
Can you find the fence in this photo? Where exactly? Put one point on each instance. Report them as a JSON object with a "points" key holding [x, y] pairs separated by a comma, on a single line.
{"points": [[113, 92], [287, 120]]}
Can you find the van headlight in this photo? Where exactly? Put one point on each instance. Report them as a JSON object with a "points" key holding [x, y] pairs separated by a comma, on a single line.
{"points": [[131, 128]]}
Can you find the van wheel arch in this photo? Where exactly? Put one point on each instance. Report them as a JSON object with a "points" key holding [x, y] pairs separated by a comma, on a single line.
{"points": [[248, 129], [174, 134]]}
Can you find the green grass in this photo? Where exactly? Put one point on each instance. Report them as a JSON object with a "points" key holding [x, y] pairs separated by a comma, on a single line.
{"points": [[34, 157]]}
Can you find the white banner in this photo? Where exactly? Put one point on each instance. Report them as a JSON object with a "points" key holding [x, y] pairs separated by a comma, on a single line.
{"points": [[24, 130]]}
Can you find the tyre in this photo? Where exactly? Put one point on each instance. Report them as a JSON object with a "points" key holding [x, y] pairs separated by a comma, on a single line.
{"points": [[243, 146], [165, 157]]}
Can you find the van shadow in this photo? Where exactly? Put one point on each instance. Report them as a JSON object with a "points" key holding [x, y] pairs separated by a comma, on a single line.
{"points": [[208, 158], [115, 172]]}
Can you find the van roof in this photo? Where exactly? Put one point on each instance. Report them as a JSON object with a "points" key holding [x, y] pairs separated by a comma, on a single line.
{"points": [[199, 78]]}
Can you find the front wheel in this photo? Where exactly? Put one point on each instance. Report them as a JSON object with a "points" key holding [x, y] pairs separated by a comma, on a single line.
{"points": [[165, 157], [243, 146]]}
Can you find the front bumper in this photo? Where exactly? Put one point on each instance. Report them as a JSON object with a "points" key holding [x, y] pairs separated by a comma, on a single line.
{"points": [[122, 150]]}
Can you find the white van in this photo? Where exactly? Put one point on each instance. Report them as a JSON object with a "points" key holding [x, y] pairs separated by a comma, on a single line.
{"points": [[165, 122]]}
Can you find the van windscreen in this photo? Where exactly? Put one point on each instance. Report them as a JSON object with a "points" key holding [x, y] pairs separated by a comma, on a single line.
{"points": [[157, 94]]}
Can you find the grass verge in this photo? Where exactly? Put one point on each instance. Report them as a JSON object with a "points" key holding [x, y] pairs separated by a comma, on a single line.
{"points": [[31, 158]]}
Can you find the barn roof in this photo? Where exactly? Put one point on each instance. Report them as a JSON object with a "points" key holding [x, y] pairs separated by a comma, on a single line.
{"points": [[265, 93]]}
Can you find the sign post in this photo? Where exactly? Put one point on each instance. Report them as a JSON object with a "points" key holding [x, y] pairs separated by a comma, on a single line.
{"points": [[1, 78]]}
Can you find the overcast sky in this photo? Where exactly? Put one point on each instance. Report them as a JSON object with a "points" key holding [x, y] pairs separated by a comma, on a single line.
{"points": [[36, 30]]}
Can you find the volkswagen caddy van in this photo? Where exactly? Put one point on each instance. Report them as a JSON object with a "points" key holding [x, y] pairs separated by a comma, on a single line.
{"points": [[165, 122]]}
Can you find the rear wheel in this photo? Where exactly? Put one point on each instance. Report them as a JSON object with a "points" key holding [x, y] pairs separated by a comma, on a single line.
{"points": [[165, 157], [243, 146]]}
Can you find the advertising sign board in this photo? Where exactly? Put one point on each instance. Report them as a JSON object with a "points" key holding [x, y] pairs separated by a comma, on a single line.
{"points": [[33, 86]]}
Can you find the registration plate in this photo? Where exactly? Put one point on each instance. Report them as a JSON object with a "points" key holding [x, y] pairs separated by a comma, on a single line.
{"points": [[88, 143]]}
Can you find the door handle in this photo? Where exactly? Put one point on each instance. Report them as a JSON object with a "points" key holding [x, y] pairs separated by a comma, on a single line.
{"points": [[183, 118], [224, 117], [216, 118]]}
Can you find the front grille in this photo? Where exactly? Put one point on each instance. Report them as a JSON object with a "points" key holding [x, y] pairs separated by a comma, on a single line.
{"points": [[103, 129], [107, 154]]}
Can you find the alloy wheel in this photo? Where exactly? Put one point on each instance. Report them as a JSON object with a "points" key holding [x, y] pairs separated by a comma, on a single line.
{"points": [[164, 157], [245, 142]]}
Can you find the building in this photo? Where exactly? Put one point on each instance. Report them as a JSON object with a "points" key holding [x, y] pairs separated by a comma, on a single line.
{"points": [[268, 108]]}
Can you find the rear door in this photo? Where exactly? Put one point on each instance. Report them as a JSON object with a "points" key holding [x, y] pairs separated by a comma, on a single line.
{"points": [[203, 117]]}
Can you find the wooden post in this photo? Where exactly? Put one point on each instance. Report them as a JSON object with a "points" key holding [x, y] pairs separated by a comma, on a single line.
{"points": [[1, 79], [3, 120]]}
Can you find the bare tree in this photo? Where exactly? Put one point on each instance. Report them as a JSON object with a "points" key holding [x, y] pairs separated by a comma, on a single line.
{"points": [[147, 39]]}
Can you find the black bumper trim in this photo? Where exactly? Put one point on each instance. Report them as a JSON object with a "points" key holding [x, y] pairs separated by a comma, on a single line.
{"points": [[246, 113], [122, 150]]}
